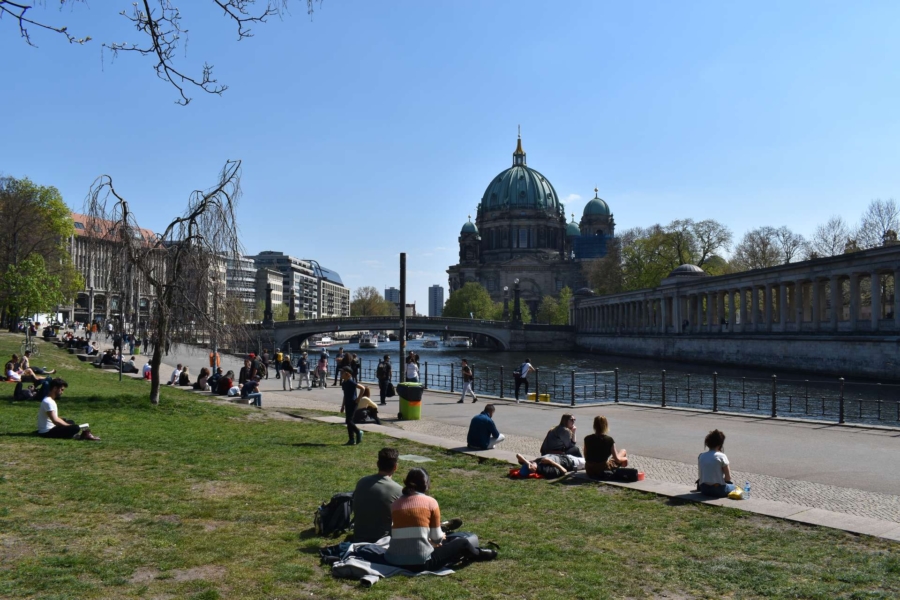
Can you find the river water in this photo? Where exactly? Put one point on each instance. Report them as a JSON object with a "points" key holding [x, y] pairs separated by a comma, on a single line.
{"points": [[641, 380]]}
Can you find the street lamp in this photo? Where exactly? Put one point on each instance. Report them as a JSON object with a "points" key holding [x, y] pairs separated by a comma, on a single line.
{"points": [[506, 303], [517, 309]]}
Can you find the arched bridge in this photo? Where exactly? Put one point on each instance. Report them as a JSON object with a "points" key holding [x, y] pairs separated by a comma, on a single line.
{"points": [[507, 336]]}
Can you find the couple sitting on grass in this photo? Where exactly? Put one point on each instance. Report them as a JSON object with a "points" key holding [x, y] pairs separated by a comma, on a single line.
{"points": [[408, 520], [560, 453]]}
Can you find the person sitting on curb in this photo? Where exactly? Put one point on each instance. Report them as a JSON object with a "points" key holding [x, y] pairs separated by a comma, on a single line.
{"points": [[184, 378], [49, 423], [226, 382], [561, 439], [483, 434], [176, 374], [713, 467], [366, 408], [202, 383], [373, 497], [213, 380], [600, 452], [130, 367], [250, 391], [551, 466]]}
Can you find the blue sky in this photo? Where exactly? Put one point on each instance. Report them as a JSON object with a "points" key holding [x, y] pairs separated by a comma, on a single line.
{"points": [[374, 127]]}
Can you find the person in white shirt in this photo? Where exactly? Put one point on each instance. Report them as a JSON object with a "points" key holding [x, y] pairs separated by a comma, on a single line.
{"points": [[412, 370], [48, 422], [175, 375], [146, 371], [521, 377], [714, 472]]}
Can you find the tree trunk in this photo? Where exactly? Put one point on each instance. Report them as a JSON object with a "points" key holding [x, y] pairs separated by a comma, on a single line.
{"points": [[161, 325]]}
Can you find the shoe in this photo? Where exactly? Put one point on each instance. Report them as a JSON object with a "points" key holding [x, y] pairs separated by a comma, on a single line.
{"points": [[88, 436], [451, 525], [486, 554], [350, 443], [460, 402], [359, 436], [474, 400], [384, 403]]}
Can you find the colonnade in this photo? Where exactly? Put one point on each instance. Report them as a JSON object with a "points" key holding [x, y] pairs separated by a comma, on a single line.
{"points": [[751, 303]]}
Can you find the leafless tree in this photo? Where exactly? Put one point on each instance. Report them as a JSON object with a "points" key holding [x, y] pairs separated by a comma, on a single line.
{"points": [[184, 265], [830, 239], [880, 217], [758, 249], [159, 24], [790, 244], [711, 238]]}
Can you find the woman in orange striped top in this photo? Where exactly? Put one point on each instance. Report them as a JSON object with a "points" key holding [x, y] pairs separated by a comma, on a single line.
{"points": [[417, 541]]}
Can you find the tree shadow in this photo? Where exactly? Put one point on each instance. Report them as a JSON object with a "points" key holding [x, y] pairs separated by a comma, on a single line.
{"points": [[307, 445], [20, 434]]}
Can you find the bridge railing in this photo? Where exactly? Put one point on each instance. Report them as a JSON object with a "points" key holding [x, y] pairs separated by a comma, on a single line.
{"points": [[833, 400]]}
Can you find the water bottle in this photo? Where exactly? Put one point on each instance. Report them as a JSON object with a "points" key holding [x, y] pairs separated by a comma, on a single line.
{"points": [[746, 490]]}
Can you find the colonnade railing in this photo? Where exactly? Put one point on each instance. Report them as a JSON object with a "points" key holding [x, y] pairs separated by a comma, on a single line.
{"points": [[821, 399]]}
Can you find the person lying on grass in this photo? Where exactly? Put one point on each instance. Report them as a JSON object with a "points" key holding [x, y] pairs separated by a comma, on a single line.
{"points": [[14, 372], [551, 466], [25, 363], [49, 423]]}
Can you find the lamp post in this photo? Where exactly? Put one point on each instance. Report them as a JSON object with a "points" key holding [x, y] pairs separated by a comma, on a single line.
{"points": [[517, 308], [506, 303]]}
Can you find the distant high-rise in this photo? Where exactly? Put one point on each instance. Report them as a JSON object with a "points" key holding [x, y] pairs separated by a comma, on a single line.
{"points": [[435, 301], [392, 294]]}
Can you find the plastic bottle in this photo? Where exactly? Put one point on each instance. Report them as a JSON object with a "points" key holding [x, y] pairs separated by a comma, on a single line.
{"points": [[746, 490]]}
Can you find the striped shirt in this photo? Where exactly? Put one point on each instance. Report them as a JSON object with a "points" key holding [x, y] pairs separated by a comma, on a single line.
{"points": [[416, 523]]}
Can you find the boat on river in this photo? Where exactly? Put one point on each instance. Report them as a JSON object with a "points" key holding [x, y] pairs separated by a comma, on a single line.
{"points": [[430, 343], [368, 340], [322, 342], [457, 341]]}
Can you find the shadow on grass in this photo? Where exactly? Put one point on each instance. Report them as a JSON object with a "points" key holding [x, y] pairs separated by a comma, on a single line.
{"points": [[21, 434], [308, 445]]}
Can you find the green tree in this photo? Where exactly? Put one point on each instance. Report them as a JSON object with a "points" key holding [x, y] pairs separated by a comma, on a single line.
{"points": [[472, 301], [30, 288], [368, 302], [548, 310], [562, 311]]}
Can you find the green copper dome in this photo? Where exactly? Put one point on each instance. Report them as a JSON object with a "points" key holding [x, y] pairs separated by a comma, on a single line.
{"points": [[520, 187], [597, 206], [469, 227], [572, 229]]}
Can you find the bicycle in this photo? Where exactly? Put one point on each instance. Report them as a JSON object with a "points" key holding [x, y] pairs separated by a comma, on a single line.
{"points": [[30, 346]]}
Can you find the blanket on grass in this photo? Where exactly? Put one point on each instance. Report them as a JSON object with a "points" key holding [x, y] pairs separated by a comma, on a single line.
{"points": [[364, 563]]}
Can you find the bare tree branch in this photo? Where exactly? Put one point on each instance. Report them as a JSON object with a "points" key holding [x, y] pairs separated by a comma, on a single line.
{"points": [[18, 11]]}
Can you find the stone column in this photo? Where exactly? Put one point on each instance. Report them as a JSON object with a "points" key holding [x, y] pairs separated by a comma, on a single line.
{"points": [[897, 299], [720, 309], [798, 304], [710, 317], [854, 300], [663, 314], [754, 307], [837, 301], [782, 305], [767, 306], [816, 296], [876, 299], [742, 309]]}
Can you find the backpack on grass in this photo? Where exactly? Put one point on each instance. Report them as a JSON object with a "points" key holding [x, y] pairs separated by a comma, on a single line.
{"points": [[334, 516]]}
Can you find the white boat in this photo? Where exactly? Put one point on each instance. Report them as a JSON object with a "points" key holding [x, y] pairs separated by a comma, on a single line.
{"points": [[323, 341], [457, 341], [368, 340], [416, 335], [431, 343], [382, 338]]}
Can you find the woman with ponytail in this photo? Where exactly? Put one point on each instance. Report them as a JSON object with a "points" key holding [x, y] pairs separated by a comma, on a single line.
{"points": [[417, 540]]}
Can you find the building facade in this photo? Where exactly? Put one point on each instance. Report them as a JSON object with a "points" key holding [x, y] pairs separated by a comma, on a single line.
{"points": [[318, 292], [435, 301], [240, 284], [392, 294], [520, 233]]}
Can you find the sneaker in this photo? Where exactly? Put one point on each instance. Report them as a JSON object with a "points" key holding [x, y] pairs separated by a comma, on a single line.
{"points": [[359, 436], [88, 436], [474, 400], [451, 525], [486, 554], [350, 443], [460, 402]]}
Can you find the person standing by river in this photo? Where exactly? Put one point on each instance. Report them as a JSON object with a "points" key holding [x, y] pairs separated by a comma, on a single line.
{"points": [[521, 378], [468, 380]]}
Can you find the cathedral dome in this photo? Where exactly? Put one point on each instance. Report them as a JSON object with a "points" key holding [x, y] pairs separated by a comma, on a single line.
{"points": [[572, 229], [596, 207], [687, 271], [520, 187], [469, 227]]}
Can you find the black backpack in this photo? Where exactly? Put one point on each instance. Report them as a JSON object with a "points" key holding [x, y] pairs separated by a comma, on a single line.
{"points": [[334, 516]]}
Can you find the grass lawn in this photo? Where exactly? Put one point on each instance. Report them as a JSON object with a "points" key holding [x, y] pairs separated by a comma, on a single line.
{"points": [[194, 499]]}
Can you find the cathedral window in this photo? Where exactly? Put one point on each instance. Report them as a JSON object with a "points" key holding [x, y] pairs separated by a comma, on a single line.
{"points": [[523, 238]]}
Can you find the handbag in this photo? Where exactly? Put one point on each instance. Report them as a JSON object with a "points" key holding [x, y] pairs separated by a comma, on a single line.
{"points": [[391, 392]]}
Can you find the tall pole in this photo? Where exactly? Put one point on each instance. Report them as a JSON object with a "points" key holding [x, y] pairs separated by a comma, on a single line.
{"points": [[400, 365]]}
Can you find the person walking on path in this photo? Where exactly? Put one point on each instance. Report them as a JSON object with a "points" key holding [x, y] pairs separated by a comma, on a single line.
{"points": [[468, 380], [383, 374], [337, 364], [303, 370], [483, 433], [279, 357], [348, 406], [287, 370], [521, 377], [265, 362]]}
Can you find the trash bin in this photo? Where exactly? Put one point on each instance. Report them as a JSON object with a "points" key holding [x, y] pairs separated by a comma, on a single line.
{"points": [[410, 400]]}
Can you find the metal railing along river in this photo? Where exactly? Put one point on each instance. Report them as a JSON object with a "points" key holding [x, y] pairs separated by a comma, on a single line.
{"points": [[821, 399]]}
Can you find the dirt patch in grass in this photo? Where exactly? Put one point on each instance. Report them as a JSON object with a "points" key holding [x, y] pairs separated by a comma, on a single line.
{"points": [[143, 575], [213, 490], [13, 548], [206, 573], [467, 472], [213, 525]]}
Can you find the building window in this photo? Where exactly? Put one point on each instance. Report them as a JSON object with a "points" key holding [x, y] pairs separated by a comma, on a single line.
{"points": [[523, 238]]}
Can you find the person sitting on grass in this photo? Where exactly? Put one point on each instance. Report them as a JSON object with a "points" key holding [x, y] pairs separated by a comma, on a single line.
{"points": [[17, 374], [147, 371], [366, 408], [25, 363], [418, 542], [551, 466], [184, 378], [373, 498], [202, 383], [176, 374], [483, 434], [250, 391], [49, 423], [561, 439], [225, 383], [130, 366], [713, 468], [108, 358], [600, 452]]}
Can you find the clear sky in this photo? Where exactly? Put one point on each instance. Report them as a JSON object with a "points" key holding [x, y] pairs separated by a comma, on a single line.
{"points": [[374, 127]]}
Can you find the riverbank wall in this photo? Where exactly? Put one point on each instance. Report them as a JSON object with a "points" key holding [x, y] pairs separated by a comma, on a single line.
{"points": [[869, 357]]}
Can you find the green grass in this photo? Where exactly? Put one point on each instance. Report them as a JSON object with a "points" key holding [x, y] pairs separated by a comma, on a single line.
{"points": [[194, 499]]}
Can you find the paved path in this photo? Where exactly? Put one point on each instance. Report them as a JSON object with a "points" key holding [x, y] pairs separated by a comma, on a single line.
{"points": [[850, 470]]}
